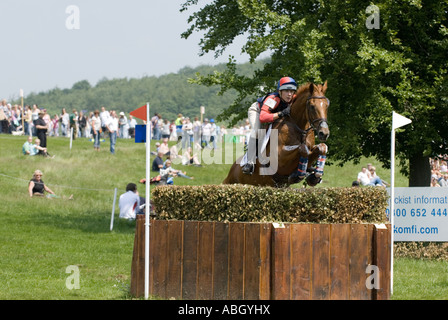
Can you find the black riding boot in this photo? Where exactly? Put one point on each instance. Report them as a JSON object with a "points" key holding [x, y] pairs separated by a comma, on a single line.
{"points": [[249, 167]]}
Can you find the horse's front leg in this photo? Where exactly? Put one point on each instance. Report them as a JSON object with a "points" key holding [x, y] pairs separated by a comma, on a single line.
{"points": [[300, 173], [319, 153]]}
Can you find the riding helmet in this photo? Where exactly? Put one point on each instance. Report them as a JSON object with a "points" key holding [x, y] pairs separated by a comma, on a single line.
{"points": [[287, 83]]}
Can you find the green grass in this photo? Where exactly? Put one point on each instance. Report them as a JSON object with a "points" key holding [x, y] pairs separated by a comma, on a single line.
{"points": [[40, 238]]}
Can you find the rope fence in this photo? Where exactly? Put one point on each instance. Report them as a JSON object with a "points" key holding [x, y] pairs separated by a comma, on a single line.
{"points": [[77, 188]]}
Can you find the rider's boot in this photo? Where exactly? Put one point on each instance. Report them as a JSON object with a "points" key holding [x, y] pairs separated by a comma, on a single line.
{"points": [[249, 167]]}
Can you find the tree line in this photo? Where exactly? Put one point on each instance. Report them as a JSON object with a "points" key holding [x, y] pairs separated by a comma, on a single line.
{"points": [[169, 94]]}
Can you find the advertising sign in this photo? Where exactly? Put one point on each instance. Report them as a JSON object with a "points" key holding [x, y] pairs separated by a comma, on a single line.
{"points": [[421, 214]]}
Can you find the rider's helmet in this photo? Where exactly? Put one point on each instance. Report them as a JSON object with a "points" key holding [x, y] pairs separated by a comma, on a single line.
{"points": [[287, 83]]}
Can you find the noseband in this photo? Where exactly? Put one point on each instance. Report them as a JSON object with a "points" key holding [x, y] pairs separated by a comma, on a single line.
{"points": [[320, 120]]}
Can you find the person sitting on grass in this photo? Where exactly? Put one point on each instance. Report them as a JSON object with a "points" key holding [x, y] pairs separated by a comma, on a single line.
{"points": [[169, 172], [130, 202], [37, 149], [27, 146], [37, 187]]}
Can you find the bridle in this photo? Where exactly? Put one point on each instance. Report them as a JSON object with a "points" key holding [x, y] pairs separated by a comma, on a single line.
{"points": [[320, 120], [312, 126]]}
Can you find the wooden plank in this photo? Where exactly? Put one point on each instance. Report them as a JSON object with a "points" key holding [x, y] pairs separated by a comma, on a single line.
{"points": [[236, 260], [252, 261], [221, 261], [300, 235], [174, 256], [190, 260], [321, 262], [339, 261], [205, 261], [381, 259], [265, 261], [136, 268], [160, 264], [359, 260], [281, 268]]}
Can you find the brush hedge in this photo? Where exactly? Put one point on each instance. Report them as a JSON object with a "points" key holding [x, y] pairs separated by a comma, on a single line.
{"points": [[245, 203]]}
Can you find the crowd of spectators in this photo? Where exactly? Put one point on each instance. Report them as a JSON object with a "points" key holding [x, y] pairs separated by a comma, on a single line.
{"points": [[206, 134], [439, 171], [14, 121]]}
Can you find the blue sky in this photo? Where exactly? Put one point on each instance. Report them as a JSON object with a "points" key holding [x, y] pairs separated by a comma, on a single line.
{"points": [[115, 39]]}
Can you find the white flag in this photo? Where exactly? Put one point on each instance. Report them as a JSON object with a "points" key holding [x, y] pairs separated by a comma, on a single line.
{"points": [[399, 121]]}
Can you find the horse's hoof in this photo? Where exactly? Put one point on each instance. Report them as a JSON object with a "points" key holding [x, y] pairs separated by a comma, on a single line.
{"points": [[295, 177], [312, 180]]}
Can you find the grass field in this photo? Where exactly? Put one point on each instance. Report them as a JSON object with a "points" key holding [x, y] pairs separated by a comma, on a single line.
{"points": [[41, 238]]}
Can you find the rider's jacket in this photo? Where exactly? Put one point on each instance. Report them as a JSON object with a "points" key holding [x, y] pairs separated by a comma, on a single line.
{"points": [[270, 104]]}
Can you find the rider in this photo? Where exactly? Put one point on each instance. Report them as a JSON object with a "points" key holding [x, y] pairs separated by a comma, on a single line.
{"points": [[266, 110]]}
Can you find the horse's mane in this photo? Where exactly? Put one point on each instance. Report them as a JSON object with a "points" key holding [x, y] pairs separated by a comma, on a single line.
{"points": [[304, 88]]}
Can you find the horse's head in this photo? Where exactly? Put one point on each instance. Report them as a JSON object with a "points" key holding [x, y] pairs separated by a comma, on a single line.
{"points": [[316, 110]]}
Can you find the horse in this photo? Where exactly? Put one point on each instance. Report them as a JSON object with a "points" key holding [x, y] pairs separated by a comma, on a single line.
{"points": [[296, 143]]}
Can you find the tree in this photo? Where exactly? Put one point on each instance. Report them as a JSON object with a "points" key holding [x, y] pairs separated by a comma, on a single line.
{"points": [[377, 59]]}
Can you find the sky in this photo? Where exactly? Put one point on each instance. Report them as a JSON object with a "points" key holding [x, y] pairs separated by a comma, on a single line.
{"points": [[56, 43]]}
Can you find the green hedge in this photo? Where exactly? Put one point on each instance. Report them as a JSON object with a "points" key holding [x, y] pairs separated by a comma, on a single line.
{"points": [[263, 204]]}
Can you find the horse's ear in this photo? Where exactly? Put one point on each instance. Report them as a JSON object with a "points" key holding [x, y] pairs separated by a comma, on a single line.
{"points": [[311, 89], [324, 88]]}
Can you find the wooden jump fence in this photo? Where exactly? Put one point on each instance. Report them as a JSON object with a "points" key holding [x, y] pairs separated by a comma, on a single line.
{"points": [[236, 260]]}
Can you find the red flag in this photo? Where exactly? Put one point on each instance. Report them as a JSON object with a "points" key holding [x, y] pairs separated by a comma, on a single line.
{"points": [[140, 113]]}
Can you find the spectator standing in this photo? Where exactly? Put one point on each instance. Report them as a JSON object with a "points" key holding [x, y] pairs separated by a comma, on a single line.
{"points": [[123, 125], [155, 126], [196, 131], [41, 130], [65, 119], [187, 133], [112, 128], [55, 126], [132, 124], [82, 123], [213, 133], [104, 118], [96, 130], [178, 123], [74, 123], [3, 117], [28, 121], [206, 131], [166, 129]]}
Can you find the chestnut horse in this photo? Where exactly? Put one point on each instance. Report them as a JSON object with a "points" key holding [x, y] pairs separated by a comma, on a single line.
{"points": [[296, 141]]}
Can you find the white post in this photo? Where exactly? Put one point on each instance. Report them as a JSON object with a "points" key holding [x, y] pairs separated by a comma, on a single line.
{"points": [[148, 200], [397, 122], [392, 205], [113, 210], [71, 137]]}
